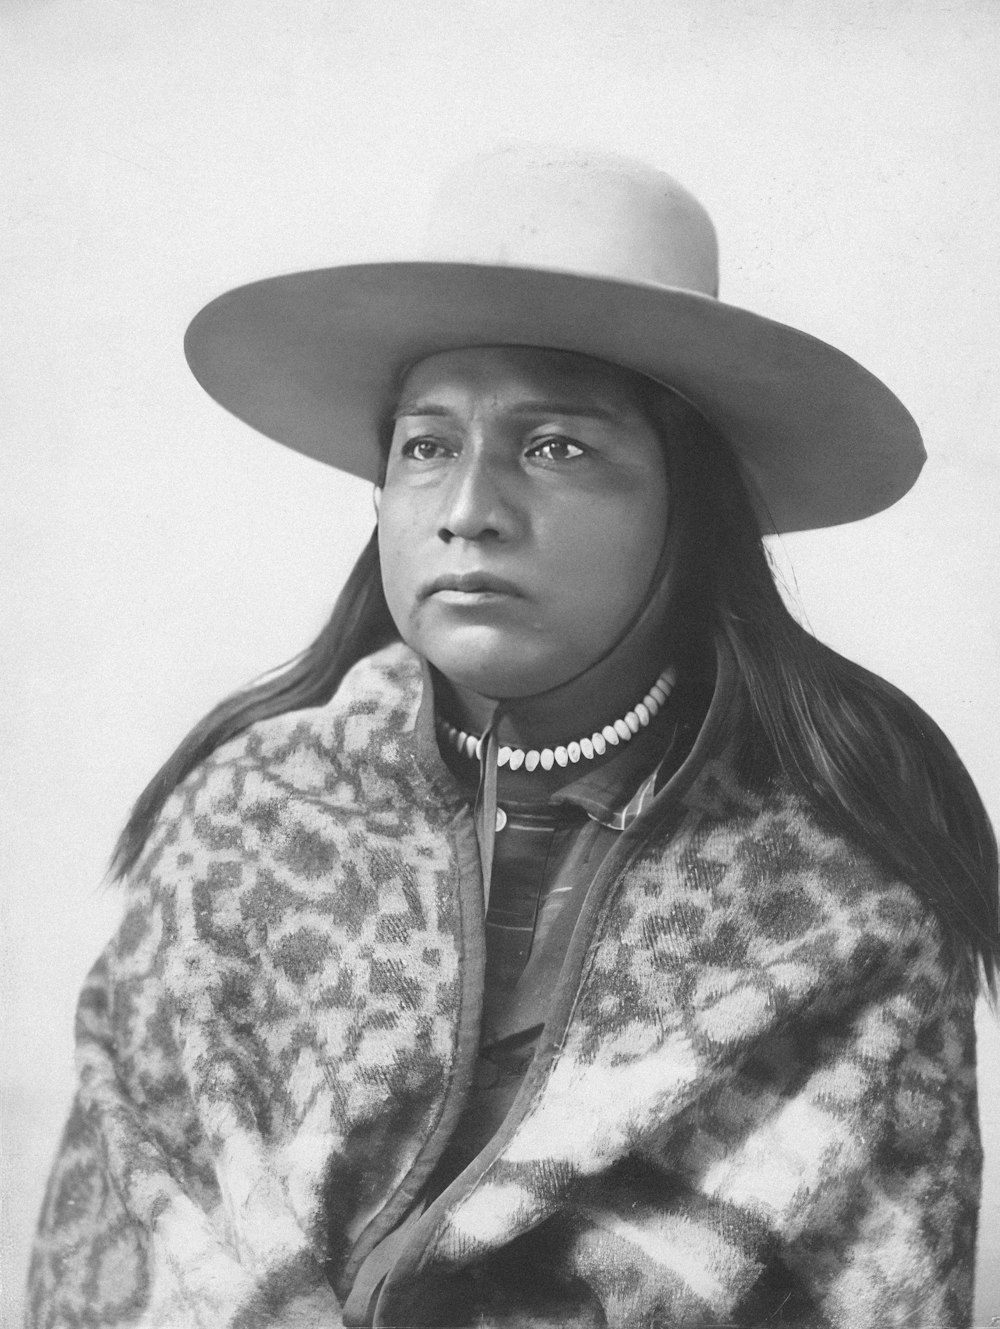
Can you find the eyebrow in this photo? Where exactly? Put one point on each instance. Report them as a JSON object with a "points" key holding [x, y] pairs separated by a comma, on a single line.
{"points": [[523, 408]]}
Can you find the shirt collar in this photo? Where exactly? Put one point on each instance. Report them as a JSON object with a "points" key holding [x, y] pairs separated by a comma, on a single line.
{"points": [[616, 792]]}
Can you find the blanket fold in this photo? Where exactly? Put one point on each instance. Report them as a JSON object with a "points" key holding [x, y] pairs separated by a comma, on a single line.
{"points": [[754, 1100]]}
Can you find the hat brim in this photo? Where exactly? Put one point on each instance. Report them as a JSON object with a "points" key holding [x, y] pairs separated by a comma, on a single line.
{"points": [[312, 359]]}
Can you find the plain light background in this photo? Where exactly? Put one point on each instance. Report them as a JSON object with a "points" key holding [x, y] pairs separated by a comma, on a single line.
{"points": [[157, 553]]}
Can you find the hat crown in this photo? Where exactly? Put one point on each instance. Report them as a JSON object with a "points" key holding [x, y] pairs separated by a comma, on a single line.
{"points": [[592, 214]]}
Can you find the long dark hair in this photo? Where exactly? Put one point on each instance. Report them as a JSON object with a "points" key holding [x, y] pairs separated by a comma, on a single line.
{"points": [[867, 759]]}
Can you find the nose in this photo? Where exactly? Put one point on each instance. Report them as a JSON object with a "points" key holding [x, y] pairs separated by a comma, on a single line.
{"points": [[478, 501]]}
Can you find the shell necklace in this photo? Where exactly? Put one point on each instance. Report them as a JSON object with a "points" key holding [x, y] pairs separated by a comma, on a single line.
{"points": [[593, 745]]}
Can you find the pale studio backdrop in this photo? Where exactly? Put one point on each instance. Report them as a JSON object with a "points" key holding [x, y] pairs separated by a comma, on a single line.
{"points": [[158, 553]]}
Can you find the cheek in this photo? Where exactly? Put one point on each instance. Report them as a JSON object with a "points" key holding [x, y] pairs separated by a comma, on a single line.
{"points": [[398, 571], [607, 557]]}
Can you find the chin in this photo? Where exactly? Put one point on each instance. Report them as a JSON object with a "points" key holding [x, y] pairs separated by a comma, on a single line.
{"points": [[490, 675], [495, 684]]}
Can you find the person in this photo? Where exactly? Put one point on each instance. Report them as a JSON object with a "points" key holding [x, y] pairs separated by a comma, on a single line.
{"points": [[566, 937]]}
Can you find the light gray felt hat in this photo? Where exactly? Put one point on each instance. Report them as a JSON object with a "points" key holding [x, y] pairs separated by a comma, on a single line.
{"points": [[599, 255]]}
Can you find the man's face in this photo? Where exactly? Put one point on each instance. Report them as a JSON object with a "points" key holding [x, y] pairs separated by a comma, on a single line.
{"points": [[522, 517]]}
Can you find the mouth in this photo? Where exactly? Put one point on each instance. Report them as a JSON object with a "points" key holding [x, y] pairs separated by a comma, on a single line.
{"points": [[469, 587]]}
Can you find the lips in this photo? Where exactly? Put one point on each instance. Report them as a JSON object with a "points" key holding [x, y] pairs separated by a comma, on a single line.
{"points": [[471, 584]]}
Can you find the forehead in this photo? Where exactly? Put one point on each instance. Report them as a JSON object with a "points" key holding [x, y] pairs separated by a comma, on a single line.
{"points": [[512, 375]]}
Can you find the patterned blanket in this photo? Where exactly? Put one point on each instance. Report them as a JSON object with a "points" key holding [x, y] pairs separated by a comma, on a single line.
{"points": [[754, 1101]]}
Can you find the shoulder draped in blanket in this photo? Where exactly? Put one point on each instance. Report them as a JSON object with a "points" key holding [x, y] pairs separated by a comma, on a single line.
{"points": [[754, 1099]]}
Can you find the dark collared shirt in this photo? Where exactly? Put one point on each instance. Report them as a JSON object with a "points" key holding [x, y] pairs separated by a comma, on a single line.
{"points": [[544, 860]]}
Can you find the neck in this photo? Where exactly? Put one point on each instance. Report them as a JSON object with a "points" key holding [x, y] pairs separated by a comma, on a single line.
{"points": [[594, 698]]}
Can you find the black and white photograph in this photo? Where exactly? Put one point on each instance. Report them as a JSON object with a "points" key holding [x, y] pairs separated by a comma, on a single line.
{"points": [[501, 637]]}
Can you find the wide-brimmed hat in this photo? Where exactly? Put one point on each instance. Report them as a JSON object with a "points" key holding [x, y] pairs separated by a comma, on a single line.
{"points": [[602, 256]]}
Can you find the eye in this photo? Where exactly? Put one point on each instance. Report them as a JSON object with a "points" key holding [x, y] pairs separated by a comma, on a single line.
{"points": [[424, 449], [555, 448]]}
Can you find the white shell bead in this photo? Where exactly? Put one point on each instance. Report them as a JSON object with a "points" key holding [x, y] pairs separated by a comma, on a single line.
{"points": [[501, 819], [594, 746]]}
